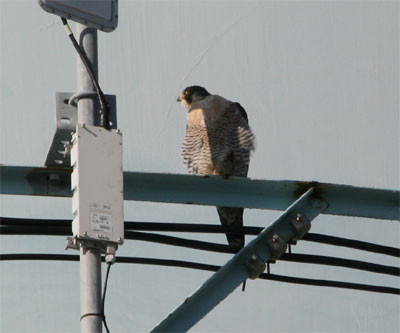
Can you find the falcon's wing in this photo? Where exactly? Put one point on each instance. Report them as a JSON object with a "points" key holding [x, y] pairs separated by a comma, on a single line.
{"points": [[241, 111], [232, 158]]}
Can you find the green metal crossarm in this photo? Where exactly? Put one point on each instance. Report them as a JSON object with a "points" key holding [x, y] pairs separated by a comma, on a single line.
{"points": [[249, 262], [211, 190]]}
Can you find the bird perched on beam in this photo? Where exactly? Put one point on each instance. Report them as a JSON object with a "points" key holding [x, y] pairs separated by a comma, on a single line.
{"points": [[218, 141]]}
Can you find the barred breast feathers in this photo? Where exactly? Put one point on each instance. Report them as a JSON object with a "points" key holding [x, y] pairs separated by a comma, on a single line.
{"points": [[218, 138]]}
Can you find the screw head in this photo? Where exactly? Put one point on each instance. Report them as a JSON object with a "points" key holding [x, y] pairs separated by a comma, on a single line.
{"points": [[253, 259], [298, 217]]}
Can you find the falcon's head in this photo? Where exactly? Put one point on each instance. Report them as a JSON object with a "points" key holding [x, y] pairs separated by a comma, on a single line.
{"points": [[192, 94]]}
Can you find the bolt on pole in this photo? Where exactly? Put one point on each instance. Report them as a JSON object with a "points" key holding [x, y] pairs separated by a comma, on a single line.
{"points": [[90, 256]]}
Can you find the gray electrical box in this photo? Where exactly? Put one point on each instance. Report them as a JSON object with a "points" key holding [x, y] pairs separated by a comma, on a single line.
{"points": [[99, 14], [97, 184]]}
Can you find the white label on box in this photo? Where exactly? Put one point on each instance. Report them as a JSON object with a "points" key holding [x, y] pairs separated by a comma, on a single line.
{"points": [[101, 222]]}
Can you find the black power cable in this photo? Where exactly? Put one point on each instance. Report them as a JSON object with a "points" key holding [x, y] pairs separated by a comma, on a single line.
{"points": [[205, 246], [21, 226], [31, 226], [104, 109], [352, 243], [213, 268], [340, 262], [104, 297], [177, 241]]}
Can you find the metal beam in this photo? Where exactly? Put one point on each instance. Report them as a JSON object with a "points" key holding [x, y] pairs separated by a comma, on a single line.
{"points": [[270, 244], [210, 190]]}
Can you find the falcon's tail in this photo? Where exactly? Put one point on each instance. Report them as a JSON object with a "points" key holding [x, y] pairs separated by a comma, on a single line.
{"points": [[232, 217]]}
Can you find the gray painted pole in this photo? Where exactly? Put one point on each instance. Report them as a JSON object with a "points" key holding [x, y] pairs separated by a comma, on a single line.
{"points": [[90, 258], [90, 267], [87, 107]]}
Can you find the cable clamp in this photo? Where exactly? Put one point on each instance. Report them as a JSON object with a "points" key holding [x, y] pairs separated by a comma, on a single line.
{"points": [[255, 266], [277, 246], [110, 253], [74, 99], [93, 314], [302, 225]]}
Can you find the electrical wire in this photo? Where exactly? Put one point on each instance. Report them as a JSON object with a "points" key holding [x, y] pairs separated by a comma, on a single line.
{"points": [[20, 226], [177, 241], [104, 109], [213, 268], [352, 243], [202, 245], [221, 248], [47, 227], [346, 263], [104, 297], [340, 262]]}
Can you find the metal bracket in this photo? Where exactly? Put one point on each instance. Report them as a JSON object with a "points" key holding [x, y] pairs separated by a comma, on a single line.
{"points": [[66, 120], [75, 243], [109, 248], [72, 243]]}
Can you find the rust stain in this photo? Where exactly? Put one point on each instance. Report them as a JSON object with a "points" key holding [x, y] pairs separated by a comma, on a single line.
{"points": [[318, 193]]}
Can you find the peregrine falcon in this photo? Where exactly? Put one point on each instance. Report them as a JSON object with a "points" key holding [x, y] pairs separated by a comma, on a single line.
{"points": [[218, 141]]}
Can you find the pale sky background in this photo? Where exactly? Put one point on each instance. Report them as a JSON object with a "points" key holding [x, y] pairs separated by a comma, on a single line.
{"points": [[320, 83]]}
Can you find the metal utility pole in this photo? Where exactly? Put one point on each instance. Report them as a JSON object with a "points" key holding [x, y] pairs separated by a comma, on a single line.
{"points": [[90, 256], [95, 151], [87, 39]]}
